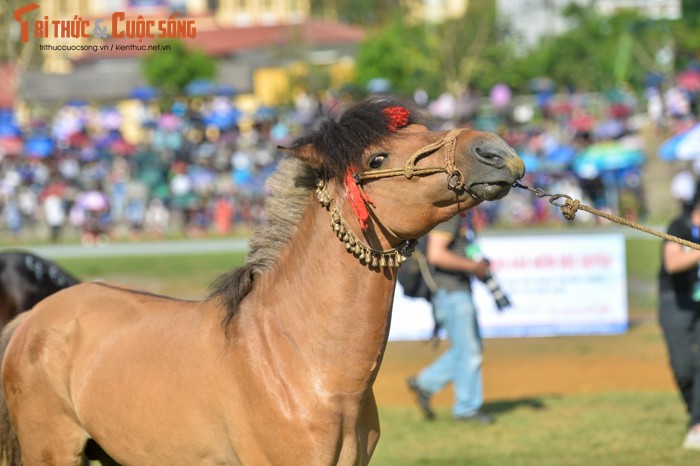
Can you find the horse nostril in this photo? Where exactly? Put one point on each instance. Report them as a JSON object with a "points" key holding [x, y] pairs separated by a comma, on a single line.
{"points": [[490, 156], [483, 153]]}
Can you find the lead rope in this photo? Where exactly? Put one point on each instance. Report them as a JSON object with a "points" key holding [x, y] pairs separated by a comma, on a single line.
{"points": [[570, 206]]}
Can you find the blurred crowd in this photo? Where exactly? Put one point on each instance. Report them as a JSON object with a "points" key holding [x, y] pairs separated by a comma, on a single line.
{"points": [[194, 170], [199, 169]]}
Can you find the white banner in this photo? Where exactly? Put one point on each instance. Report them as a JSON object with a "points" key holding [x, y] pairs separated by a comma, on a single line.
{"points": [[557, 285]]}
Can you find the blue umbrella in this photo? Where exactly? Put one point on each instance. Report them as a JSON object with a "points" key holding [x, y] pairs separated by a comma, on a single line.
{"points": [[605, 157], [531, 161], [379, 85], [683, 146], [667, 149], [265, 114], [561, 155], [8, 124], [223, 120], [179, 108], [39, 146], [653, 80], [609, 129], [9, 130], [224, 90], [200, 87], [143, 93]]}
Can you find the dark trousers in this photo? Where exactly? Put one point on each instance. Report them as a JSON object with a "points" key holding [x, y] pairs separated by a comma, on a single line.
{"points": [[680, 321]]}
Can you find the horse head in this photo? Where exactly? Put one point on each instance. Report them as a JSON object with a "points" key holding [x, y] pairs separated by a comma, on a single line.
{"points": [[380, 164]]}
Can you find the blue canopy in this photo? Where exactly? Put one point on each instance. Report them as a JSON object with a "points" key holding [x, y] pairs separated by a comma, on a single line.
{"points": [[606, 156], [682, 146]]}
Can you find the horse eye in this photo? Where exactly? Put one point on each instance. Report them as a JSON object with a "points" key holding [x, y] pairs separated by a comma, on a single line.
{"points": [[376, 161]]}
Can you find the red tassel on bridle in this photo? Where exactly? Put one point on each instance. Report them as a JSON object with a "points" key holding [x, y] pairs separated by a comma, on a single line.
{"points": [[358, 198]]}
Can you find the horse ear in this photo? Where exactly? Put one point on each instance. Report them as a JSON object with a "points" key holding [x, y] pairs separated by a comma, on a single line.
{"points": [[306, 152]]}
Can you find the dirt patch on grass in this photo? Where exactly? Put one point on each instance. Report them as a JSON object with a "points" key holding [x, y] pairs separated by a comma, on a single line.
{"points": [[531, 367]]}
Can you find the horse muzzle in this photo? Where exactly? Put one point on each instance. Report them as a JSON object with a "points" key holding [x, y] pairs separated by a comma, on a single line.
{"points": [[500, 167], [490, 191]]}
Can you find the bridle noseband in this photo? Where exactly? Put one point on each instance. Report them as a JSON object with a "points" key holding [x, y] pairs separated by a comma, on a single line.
{"points": [[455, 180], [396, 256]]}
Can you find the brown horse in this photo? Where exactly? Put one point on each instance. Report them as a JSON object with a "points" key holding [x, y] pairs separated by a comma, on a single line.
{"points": [[277, 365]]}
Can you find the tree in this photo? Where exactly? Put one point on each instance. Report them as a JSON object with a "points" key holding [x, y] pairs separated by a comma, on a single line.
{"points": [[598, 52], [366, 13], [691, 11], [471, 49], [170, 70], [399, 53], [685, 35], [437, 57]]}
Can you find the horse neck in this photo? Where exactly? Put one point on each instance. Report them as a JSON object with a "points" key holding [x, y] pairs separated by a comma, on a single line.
{"points": [[327, 305]]}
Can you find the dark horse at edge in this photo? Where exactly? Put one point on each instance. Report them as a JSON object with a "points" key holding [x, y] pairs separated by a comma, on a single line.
{"points": [[26, 279]]}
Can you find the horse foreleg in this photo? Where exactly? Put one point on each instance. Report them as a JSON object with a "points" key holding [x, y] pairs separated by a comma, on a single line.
{"points": [[43, 448], [46, 427], [368, 428], [50, 441]]}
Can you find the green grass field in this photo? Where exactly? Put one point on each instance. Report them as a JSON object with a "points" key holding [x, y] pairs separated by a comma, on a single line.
{"points": [[634, 426], [630, 428]]}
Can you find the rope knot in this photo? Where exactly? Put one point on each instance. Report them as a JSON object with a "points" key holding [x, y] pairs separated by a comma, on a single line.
{"points": [[569, 209], [409, 168]]}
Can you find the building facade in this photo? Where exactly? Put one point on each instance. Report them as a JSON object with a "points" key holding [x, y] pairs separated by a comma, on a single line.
{"points": [[253, 40], [533, 19]]}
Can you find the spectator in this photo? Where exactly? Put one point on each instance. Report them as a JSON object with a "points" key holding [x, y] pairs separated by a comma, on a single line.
{"points": [[13, 218], [55, 216], [456, 313], [135, 216], [157, 218], [683, 187], [679, 314], [223, 215]]}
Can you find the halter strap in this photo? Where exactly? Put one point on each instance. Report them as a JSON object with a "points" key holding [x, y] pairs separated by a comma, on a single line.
{"points": [[456, 177]]}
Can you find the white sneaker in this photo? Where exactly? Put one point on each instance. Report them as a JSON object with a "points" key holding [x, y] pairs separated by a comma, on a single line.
{"points": [[692, 440]]}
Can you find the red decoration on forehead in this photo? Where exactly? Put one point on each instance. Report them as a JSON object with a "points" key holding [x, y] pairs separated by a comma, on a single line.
{"points": [[398, 116]]}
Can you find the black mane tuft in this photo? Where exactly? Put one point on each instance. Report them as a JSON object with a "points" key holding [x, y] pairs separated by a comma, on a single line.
{"points": [[343, 142]]}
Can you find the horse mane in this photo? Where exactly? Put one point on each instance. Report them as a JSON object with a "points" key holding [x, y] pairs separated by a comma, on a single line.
{"points": [[288, 196], [342, 144], [56, 274], [43, 270]]}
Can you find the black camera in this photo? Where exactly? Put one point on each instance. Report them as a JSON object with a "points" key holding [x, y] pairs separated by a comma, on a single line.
{"points": [[499, 296], [473, 251]]}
